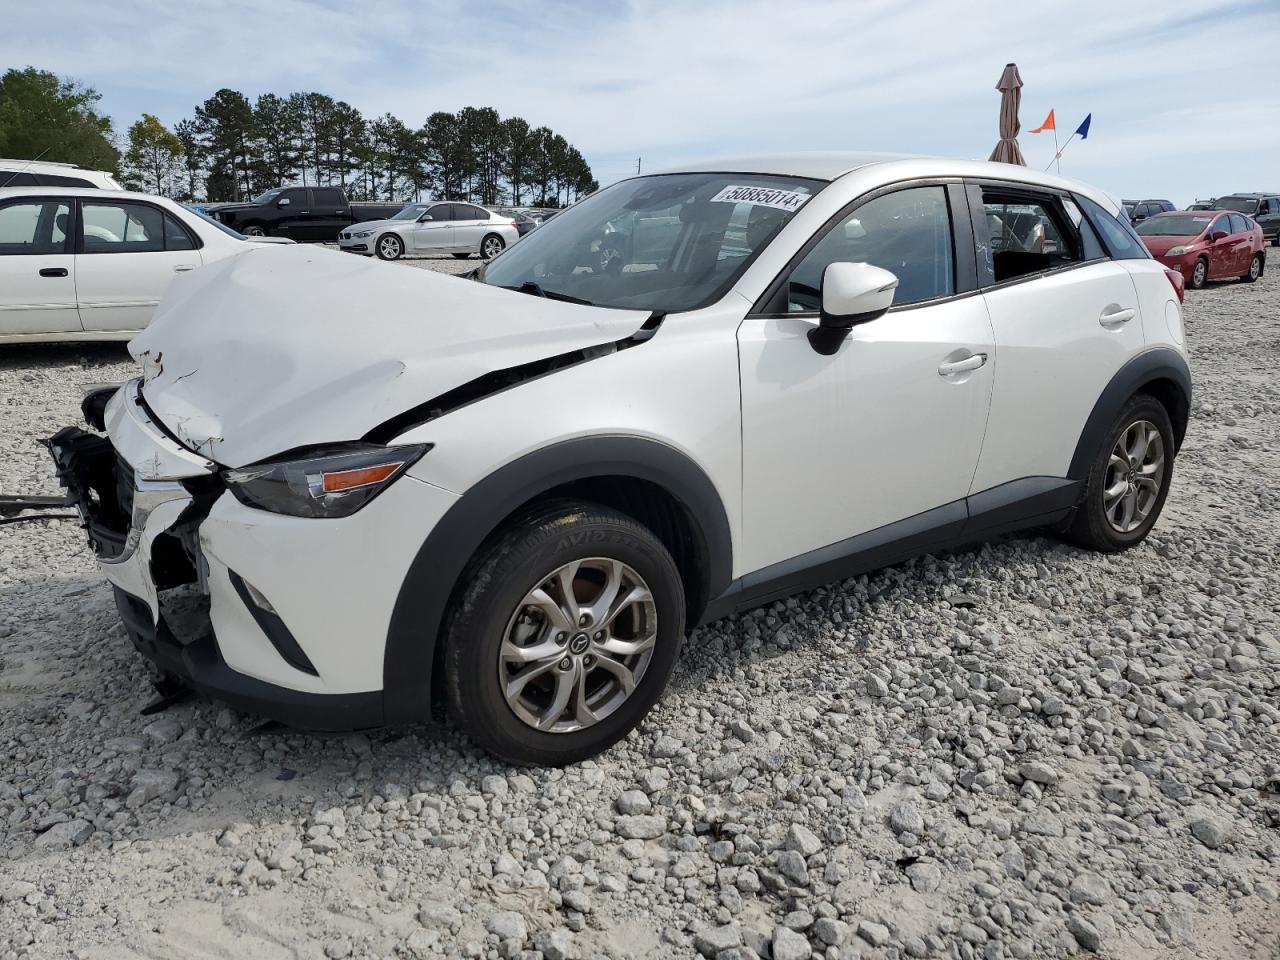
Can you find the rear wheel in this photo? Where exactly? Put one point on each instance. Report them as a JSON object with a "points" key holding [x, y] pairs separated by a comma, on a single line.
{"points": [[491, 246], [563, 636], [1199, 275], [1128, 480], [1255, 269], [389, 247]]}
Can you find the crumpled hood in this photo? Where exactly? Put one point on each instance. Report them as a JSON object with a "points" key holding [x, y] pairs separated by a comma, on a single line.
{"points": [[286, 347]]}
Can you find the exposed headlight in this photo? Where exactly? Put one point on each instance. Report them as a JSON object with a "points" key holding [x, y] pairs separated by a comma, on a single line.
{"points": [[1177, 251], [361, 236], [332, 482]]}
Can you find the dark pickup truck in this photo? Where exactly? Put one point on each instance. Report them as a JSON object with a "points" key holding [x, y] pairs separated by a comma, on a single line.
{"points": [[304, 214]]}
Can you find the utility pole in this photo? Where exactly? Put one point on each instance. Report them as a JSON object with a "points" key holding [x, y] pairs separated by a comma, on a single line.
{"points": [[637, 164]]}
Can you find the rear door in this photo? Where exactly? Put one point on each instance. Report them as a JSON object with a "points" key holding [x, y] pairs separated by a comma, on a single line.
{"points": [[1065, 316], [434, 230], [329, 213], [127, 255], [37, 266]]}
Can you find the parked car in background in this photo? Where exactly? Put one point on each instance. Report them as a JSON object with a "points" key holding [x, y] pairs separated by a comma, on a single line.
{"points": [[1202, 205], [27, 173], [303, 214], [808, 367], [524, 222], [1147, 208], [1206, 245], [433, 229], [89, 264], [1264, 208]]}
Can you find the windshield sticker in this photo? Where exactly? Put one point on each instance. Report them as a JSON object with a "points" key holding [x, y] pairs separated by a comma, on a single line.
{"points": [[787, 200]]}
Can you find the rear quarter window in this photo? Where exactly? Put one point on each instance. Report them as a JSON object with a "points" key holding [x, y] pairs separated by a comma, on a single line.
{"points": [[1118, 236]]}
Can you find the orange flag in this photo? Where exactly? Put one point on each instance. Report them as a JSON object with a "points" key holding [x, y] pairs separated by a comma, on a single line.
{"points": [[1047, 125]]}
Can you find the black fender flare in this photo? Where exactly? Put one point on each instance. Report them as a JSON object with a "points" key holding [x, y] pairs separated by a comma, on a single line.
{"points": [[428, 586], [1156, 364]]}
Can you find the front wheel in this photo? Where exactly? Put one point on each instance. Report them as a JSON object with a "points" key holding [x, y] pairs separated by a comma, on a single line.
{"points": [[1255, 269], [491, 246], [1199, 275], [1128, 480], [389, 247], [563, 636], [254, 231]]}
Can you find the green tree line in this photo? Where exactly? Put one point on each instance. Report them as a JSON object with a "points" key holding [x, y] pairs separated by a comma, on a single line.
{"points": [[232, 148]]}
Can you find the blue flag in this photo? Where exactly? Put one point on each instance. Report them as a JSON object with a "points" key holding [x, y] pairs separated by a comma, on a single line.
{"points": [[1083, 129]]}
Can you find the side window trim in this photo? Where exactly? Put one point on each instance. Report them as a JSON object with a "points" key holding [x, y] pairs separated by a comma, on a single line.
{"points": [[767, 305]]}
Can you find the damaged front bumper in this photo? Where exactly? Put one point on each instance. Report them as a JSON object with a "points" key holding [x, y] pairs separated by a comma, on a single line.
{"points": [[143, 499]]}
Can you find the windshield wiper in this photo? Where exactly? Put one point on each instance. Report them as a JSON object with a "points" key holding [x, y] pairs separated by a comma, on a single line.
{"points": [[537, 290]]}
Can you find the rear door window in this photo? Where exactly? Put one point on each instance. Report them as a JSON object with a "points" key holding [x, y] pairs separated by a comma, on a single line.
{"points": [[1028, 234], [121, 228]]}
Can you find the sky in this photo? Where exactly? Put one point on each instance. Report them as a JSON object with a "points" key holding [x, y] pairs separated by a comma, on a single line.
{"points": [[1185, 94]]}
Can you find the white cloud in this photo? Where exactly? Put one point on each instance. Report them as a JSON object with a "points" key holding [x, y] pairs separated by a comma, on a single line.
{"points": [[1182, 104]]}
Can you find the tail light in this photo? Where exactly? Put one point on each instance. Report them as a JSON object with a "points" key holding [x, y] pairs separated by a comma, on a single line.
{"points": [[1179, 287]]}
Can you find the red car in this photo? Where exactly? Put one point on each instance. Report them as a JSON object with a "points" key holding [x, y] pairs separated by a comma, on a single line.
{"points": [[1206, 245]]}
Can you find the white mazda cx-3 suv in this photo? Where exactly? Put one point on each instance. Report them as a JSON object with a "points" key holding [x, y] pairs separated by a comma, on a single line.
{"points": [[341, 488]]}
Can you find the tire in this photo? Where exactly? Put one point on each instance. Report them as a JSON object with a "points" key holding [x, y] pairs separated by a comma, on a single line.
{"points": [[461, 256], [255, 231], [1094, 525], [1255, 269], [389, 247], [491, 246], [493, 602], [1199, 275]]}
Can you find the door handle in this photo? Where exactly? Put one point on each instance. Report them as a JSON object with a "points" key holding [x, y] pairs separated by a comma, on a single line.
{"points": [[183, 267], [53, 271], [962, 366], [1115, 316]]}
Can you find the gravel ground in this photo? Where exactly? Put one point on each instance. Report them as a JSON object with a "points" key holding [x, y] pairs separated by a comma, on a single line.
{"points": [[1018, 751]]}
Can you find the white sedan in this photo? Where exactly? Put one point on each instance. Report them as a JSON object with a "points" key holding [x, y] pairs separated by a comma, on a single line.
{"points": [[432, 229], [86, 264]]}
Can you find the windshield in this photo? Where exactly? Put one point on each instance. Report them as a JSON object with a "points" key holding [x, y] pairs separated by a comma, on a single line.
{"points": [[221, 226], [267, 197], [659, 243], [1239, 204], [411, 211], [1173, 225]]}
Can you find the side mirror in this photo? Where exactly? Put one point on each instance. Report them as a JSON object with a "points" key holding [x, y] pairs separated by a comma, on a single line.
{"points": [[282, 202], [852, 293], [1218, 235]]}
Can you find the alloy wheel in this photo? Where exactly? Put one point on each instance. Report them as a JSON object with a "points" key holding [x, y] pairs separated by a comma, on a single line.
{"points": [[1255, 268], [254, 232], [389, 247], [1135, 474], [491, 248], [577, 645], [1200, 273]]}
